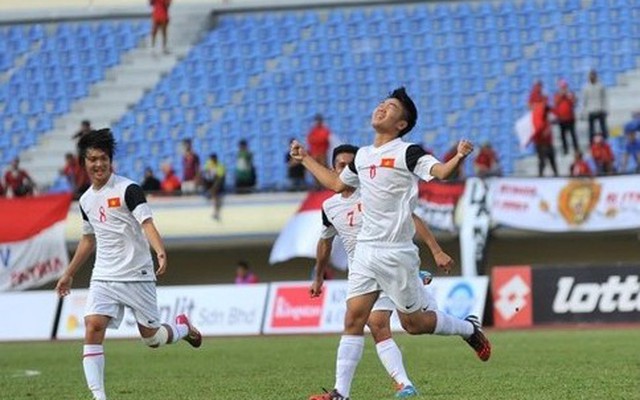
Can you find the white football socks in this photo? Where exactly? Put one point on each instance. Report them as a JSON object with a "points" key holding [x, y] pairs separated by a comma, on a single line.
{"points": [[448, 325], [391, 357], [178, 331], [349, 354], [93, 364]]}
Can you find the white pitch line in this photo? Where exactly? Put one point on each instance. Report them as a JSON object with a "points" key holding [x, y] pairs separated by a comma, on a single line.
{"points": [[27, 373]]}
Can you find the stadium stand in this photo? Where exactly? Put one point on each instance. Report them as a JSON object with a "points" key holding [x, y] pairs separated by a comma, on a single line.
{"points": [[59, 66], [262, 77], [470, 65]]}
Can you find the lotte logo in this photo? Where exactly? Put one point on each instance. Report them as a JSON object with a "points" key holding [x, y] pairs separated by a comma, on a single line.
{"points": [[511, 288], [294, 308]]}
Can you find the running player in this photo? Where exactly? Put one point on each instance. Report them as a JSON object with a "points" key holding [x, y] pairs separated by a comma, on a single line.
{"points": [[342, 216], [116, 219], [385, 257]]}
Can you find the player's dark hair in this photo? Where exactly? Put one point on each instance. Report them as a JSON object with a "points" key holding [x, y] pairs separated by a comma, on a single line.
{"points": [[410, 110], [343, 148], [101, 139]]}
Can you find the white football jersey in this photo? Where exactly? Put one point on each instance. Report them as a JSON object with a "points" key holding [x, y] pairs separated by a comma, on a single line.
{"points": [[114, 214], [342, 216], [388, 180]]}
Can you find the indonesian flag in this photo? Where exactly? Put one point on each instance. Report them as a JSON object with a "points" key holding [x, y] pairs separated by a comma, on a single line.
{"points": [[300, 236], [32, 244]]}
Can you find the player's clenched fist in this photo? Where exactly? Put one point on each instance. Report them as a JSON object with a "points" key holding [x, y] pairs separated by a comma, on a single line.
{"points": [[465, 147], [297, 151]]}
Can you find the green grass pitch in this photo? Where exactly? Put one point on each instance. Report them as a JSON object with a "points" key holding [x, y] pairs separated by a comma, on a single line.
{"points": [[533, 364]]}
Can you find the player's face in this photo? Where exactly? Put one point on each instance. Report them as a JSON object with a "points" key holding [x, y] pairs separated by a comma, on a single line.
{"points": [[342, 161], [388, 116], [98, 166]]}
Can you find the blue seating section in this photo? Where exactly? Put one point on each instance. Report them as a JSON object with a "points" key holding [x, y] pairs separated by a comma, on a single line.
{"points": [[469, 66], [56, 73]]}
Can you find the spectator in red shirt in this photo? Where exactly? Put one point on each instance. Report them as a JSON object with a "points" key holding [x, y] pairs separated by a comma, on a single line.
{"points": [[70, 168], [244, 274], [536, 95], [563, 107], [2, 192], [160, 21], [580, 167], [458, 174], [318, 140], [190, 168], [18, 181], [171, 183], [542, 136], [602, 155], [486, 163]]}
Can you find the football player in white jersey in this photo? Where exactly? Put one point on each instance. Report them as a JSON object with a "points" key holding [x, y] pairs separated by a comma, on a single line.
{"points": [[385, 258], [118, 224], [342, 216]]}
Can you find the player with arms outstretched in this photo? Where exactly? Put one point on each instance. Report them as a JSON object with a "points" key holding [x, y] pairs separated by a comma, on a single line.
{"points": [[118, 224], [385, 258], [342, 216]]}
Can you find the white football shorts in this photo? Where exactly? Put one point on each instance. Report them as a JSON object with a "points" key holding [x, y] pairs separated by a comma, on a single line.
{"points": [[384, 303], [388, 267], [110, 298]]}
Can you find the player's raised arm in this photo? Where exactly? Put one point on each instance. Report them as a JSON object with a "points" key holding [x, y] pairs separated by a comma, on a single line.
{"points": [[153, 236], [442, 259], [325, 176], [85, 247], [444, 170]]}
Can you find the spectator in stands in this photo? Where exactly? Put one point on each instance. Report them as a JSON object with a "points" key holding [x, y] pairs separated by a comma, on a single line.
{"points": [[542, 136], [2, 189], [536, 95], [18, 181], [563, 107], [594, 105], [244, 274], [458, 174], [85, 127], [160, 21], [171, 183], [579, 167], [318, 140], [245, 170], [486, 163], [602, 156], [214, 176], [631, 150], [70, 169], [295, 172], [190, 168], [150, 183], [82, 182]]}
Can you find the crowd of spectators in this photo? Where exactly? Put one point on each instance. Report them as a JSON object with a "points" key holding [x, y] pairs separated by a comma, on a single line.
{"points": [[210, 179]]}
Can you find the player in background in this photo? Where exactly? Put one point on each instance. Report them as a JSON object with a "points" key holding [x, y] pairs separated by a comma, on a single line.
{"points": [[385, 258], [118, 224], [342, 216]]}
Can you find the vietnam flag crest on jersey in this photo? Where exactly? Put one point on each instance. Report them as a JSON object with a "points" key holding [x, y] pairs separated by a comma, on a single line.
{"points": [[388, 162], [113, 202]]}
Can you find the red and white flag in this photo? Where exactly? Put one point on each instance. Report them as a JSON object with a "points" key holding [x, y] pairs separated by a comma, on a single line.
{"points": [[300, 236], [32, 243]]}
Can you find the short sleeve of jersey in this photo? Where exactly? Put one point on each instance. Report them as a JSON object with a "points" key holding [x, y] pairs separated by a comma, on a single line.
{"points": [[328, 230], [87, 229], [419, 162], [137, 203], [349, 175]]}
